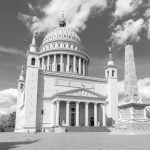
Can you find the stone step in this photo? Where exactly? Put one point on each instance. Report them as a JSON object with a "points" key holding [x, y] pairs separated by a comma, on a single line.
{"points": [[87, 129]]}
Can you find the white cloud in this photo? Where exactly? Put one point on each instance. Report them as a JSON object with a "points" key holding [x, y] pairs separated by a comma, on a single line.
{"points": [[125, 7], [30, 6], [147, 16], [11, 50], [77, 12], [8, 99], [143, 86], [128, 31]]}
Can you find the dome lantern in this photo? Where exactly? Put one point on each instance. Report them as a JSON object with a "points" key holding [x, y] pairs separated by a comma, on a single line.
{"points": [[62, 21]]}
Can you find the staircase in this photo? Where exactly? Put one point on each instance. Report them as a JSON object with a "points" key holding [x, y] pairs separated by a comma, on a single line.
{"points": [[87, 129]]}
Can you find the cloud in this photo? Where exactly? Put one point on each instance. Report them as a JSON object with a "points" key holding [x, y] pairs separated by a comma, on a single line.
{"points": [[127, 32], [147, 16], [30, 6], [11, 51], [143, 86], [77, 12], [125, 7], [8, 99]]}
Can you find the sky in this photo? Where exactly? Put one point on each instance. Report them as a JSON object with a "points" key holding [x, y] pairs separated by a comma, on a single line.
{"points": [[99, 23]]}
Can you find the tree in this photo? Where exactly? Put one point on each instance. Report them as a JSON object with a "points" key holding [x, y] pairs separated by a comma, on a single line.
{"points": [[11, 120]]}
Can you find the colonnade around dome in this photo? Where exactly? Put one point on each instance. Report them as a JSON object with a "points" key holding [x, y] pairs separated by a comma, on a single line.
{"points": [[64, 62]]}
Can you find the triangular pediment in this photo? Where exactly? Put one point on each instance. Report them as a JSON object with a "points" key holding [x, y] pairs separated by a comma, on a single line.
{"points": [[81, 93]]}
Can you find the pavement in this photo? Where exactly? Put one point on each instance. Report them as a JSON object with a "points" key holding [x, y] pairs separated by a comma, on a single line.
{"points": [[73, 141]]}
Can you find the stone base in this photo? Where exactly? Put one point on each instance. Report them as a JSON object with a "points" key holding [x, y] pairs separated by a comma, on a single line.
{"points": [[132, 128], [59, 129], [25, 130]]}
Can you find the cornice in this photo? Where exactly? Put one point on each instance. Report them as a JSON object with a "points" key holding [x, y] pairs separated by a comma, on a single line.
{"points": [[73, 76]]}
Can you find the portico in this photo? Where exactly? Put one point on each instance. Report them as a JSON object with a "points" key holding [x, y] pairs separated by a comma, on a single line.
{"points": [[74, 109]]}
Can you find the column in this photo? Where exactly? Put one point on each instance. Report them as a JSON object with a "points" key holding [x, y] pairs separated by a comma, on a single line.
{"points": [[74, 64], [57, 113], [79, 65], [68, 63], [42, 63], [67, 113], [54, 63], [104, 115], [145, 114], [84, 67], [48, 62], [77, 113], [54, 113], [61, 63], [95, 114], [86, 114]]}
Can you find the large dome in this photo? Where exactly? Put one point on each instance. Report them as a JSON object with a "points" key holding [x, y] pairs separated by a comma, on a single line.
{"points": [[62, 51], [61, 33], [61, 38]]}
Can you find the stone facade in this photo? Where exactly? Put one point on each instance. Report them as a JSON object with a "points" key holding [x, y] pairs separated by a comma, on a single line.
{"points": [[55, 89]]}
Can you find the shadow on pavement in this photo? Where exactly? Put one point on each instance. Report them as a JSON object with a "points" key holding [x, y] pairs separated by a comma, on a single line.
{"points": [[9, 145]]}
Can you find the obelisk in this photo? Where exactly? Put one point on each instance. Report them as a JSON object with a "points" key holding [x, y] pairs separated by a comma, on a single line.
{"points": [[132, 112], [131, 88]]}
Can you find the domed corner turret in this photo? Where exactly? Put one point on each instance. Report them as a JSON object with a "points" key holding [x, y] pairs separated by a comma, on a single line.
{"points": [[21, 81], [111, 69], [22, 75], [110, 61], [33, 45]]}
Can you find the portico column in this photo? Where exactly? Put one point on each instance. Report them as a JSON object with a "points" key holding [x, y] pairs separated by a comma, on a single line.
{"points": [[67, 113], [83, 67], [61, 63], [95, 114], [77, 113], [104, 115], [74, 64], [68, 63], [54, 113], [48, 62], [79, 65], [86, 114], [145, 114], [57, 113]]}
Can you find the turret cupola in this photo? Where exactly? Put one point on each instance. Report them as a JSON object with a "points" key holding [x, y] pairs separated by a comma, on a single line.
{"points": [[22, 75], [110, 60], [33, 45]]}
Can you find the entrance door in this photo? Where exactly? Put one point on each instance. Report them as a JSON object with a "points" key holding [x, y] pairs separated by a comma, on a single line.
{"points": [[72, 116], [91, 121]]}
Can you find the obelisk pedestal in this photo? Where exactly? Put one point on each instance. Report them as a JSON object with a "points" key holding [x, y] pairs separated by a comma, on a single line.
{"points": [[132, 118]]}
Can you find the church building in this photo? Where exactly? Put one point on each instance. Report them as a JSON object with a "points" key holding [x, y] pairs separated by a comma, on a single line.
{"points": [[55, 90]]}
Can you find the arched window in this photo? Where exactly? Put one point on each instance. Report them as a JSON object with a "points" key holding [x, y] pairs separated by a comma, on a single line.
{"points": [[33, 61], [21, 86]]}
